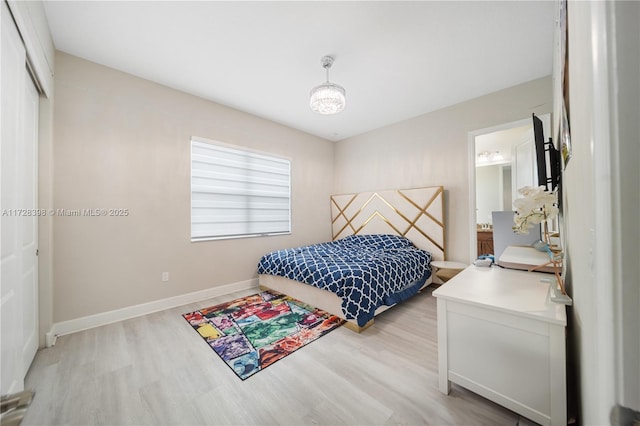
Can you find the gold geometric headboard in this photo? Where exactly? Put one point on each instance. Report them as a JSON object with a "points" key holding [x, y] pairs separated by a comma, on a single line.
{"points": [[416, 213]]}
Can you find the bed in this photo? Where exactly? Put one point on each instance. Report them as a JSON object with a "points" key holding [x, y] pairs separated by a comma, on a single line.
{"points": [[380, 232]]}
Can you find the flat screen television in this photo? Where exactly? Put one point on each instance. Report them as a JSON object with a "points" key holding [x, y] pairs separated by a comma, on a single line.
{"points": [[547, 157]]}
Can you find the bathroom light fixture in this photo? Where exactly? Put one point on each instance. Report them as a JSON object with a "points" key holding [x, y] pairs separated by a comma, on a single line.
{"points": [[486, 156], [327, 98]]}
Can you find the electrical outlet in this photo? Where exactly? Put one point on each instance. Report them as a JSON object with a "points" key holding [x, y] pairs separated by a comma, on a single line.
{"points": [[165, 276]]}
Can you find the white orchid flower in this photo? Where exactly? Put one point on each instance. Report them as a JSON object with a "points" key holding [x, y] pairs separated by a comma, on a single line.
{"points": [[536, 206]]}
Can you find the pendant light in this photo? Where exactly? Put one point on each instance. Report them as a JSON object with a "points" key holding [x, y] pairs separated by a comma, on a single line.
{"points": [[327, 98]]}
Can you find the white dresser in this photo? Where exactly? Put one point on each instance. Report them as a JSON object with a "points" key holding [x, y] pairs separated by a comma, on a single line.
{"points": [[500, 337]]}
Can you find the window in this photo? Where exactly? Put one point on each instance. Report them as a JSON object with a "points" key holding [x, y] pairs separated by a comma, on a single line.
{"points": [[237, 193]]}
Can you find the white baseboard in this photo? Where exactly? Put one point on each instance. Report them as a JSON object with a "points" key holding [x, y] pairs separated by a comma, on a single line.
{"points": [[104, 318]]}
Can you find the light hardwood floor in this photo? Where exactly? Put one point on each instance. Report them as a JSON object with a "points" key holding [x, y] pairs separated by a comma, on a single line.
{"points": [[155, 370]]}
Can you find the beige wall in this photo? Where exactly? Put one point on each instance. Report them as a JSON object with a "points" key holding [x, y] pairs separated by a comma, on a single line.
{"points": [[123, 142], [432, 149]]}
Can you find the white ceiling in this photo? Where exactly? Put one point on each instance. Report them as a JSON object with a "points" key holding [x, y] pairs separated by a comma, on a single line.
{"points": [[395, 59]]}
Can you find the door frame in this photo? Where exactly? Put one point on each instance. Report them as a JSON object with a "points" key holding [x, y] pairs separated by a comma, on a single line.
{"points": [[471, 156]]}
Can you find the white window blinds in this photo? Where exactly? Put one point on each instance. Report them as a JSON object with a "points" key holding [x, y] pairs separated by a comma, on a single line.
{"points": [[238, 193]]}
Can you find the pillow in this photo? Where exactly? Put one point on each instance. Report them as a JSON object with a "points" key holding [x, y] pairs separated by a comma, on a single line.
{"points": [[379, 241]]}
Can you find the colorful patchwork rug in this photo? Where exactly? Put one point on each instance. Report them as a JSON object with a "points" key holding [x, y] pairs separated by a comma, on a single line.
{"points": [[253, 332]]}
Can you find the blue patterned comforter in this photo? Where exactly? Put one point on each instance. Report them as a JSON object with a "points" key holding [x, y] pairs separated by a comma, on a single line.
{"points": [[366, 271]]}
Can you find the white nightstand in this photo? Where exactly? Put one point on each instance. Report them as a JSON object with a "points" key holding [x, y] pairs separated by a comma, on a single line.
{"points": [[444, 270]]}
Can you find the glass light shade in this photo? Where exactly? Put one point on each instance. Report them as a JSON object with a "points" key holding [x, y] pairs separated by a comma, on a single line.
{"points": [[327, 98], [483, 156]]}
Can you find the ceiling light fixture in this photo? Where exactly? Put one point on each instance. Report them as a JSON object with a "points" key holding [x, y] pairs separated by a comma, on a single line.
{"points": [[484, 156], [487, 156], [327, 98]]}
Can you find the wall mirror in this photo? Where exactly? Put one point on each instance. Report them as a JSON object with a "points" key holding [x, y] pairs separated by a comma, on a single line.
{"points": [[501, 160]]}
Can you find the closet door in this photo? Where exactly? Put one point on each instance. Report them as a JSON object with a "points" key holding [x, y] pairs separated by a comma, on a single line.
{"points": [[28, 244], [18, 223]]}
